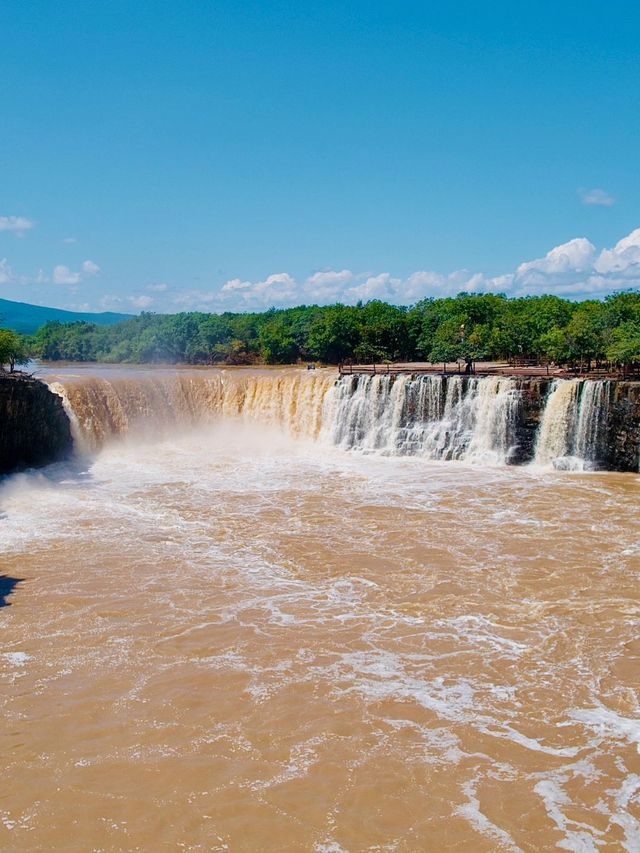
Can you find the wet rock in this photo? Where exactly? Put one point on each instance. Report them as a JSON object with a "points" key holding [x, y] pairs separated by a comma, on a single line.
{"points": [[34, 427]]}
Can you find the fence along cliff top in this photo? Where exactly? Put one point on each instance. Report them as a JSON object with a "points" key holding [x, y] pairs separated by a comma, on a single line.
{"points": [[516, 367]]}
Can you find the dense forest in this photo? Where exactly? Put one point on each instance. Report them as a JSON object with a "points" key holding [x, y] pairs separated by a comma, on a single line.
{"points": [[477, 326]]}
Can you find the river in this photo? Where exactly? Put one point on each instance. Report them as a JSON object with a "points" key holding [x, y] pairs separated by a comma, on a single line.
{"points": [[235, 630]]}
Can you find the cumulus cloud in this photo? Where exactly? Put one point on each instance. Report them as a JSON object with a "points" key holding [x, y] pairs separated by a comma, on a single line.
{"points": [[5, 271], [575, 269], [623, 259], [194, 300], [425, 283], [63, 275], [326, 285], [277, 289], [236, 284], [110, 301], [327, 277], [141, 302], [382, 286], [576, 255], [18, 225], [90, 268], [597, 198]]}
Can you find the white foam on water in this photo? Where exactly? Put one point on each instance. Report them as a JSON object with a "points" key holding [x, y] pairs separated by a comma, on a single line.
{"points": [[478, 629], [578, 838], [175, 503], [508, 732], [608, 723], [329, 847], [302, 758], [472, 812], [17, 658]]}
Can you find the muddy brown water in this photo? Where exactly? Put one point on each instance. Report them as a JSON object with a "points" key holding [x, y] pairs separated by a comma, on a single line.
{"points": [[229, 638]]}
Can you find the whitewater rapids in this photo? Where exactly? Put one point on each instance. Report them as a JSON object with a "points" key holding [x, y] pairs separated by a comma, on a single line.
{"points": [[226, 632]]}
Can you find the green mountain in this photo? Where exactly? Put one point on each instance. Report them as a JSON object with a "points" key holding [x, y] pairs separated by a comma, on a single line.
{"points": [[27, 319]]}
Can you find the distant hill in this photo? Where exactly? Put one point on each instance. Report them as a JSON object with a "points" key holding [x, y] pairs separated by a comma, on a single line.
{"points": [[27, 319]]}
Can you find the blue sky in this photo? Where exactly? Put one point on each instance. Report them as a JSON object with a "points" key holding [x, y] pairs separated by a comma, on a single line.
{"points": [[200, 155]]}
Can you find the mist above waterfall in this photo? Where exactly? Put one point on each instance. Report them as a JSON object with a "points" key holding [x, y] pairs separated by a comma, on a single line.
{"points": [[493, 420]]}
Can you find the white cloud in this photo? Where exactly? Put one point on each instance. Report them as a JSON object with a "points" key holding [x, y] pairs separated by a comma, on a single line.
{"points": [[597, 198], [236, 284], [559, 271], [5, 271], [141, 302], [576, 255], [624, 258], [574, 269], [90, 268], [110, 301], [324, 277], [70, 240], [196, 300], [326, 285], [18, 225], [382, 286], [63, 275], [277, 289]]}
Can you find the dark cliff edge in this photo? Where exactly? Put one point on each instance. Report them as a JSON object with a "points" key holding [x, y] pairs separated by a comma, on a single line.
{"points": [[623, 427], [531, 409], [34, 427], [619, 446]]}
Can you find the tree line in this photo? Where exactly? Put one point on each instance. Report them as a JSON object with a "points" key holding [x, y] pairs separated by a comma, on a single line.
{"points": [[475, 326]]}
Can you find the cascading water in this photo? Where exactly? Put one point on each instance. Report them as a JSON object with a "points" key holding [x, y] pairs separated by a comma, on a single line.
{"points": [[431, 416], [574, 423], [592, 417], [480, 420], [104, 408]]}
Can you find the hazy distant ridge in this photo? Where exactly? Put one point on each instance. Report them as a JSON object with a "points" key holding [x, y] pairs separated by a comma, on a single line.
{"points": [[27, 319]]}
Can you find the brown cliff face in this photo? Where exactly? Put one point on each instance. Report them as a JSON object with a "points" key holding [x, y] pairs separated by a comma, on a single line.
{"points": [[34, 427], [618, 447], [623, 438]]}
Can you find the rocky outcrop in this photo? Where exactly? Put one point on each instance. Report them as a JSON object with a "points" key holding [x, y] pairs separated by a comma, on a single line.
{"points": [[533, 400], [623, 433], [34, 427]]}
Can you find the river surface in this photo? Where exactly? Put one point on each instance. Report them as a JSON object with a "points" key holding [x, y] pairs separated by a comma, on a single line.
{"points": [[232, 636]]}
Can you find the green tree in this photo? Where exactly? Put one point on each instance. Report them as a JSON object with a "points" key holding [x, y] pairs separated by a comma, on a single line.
{"points": [[13, 349], [277, 342], [586, 332], [335, 334], [625, 343]]}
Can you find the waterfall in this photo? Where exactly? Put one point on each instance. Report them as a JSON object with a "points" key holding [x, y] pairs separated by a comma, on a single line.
{"points": [[431, 416], [555, 436], [102, 409], [592, 416], [573, 426], [489, 420]]}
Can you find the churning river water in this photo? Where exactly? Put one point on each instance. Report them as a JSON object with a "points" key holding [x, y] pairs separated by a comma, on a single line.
{"points": [[232, 634]]}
